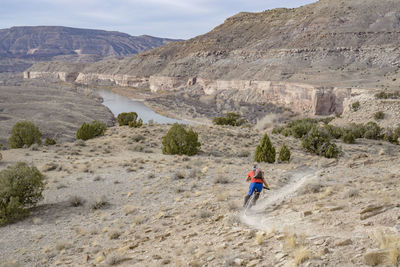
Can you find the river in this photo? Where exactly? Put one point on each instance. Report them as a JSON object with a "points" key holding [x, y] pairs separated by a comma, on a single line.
{"points": [[119, 103]]}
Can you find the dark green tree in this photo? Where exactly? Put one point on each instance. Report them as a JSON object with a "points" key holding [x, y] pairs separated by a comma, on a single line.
{"points": [[265, 151], [284, 154]]}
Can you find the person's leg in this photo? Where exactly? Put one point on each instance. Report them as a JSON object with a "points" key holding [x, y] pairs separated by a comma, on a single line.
{"points": [[247, 197], [259, 187]]}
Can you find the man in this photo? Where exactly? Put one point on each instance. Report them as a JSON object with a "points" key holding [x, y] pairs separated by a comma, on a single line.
{"points": [[256, 177]]}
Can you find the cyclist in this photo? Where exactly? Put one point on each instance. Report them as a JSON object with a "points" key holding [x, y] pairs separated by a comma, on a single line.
{"points": [[257, 180]]}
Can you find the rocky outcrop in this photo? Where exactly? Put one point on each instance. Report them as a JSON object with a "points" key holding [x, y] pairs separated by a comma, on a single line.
{"points": [[303, 58], [298, 97]]}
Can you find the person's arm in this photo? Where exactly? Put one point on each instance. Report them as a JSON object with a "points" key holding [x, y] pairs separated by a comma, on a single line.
{"points": [[248, 178], [265, 183]]}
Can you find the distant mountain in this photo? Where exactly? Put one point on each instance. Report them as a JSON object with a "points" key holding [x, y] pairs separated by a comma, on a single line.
{"points": [[44, 43]]}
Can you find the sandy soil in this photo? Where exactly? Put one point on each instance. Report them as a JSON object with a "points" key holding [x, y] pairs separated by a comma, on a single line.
{"points": [[143, 208]]}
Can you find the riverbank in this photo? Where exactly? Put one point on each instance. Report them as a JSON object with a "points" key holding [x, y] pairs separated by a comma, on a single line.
{"points": [[156, 103]]}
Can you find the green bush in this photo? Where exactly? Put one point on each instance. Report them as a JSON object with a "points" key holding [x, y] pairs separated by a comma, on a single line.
{"points": [[91, 130], [21, 187], [265, 151], [24, 133], [230, 118], [397, 130], [125, 118], [348, 138], [181, 142], [317, 141], [136, 124], [356, 129], [389, 95], [284, 154], [355, 106], [390, 136], [372, 131], [379, 115], [334, 131], [49, 141]]}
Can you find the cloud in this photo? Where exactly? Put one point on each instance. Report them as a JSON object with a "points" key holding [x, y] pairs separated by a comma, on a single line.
{"points": [[166, 18]]}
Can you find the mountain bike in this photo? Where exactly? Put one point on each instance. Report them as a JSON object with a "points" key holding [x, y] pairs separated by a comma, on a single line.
{"points": [[253, 199]]}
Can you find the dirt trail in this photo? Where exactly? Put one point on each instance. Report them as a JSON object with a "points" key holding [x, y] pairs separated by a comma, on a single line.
{"points": [[262, 216]]}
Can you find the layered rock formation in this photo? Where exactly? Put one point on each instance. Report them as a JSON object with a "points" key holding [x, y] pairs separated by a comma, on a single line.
{"points": [[64, 43], [307, 58]]}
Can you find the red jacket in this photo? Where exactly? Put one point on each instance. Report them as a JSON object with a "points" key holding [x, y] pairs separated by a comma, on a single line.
{"points": [[254, 180]]}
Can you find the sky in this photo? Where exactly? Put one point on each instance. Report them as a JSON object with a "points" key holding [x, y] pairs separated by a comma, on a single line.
{"points": [[181, 19]]}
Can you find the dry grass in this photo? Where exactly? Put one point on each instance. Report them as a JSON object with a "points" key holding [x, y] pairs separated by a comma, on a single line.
{"points": [[114, 234], [99, 203], [179, 175], [62, 244], [290, 241], [222, 196], [115, 258], [301, 254], [129, 209], [260, 238], [390, 242], [76, 201]]}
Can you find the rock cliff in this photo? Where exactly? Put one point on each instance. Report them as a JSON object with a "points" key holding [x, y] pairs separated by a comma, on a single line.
{"points": [[71, 44], [306, 58]]}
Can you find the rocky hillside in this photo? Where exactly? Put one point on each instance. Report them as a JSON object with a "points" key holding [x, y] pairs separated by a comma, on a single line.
{"points": [[71, 44], [118, 201], [301, 58]]}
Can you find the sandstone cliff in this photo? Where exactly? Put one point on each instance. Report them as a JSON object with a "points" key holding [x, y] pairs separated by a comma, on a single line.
{"points": [[295, 57]]}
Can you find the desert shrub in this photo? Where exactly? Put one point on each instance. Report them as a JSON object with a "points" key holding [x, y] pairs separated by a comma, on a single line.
{"points": [[125, 118], [181, 142], [348, 137], [49, 141], [372, 131], [21, 187], [278, 130], [265, 151], [301, 127], [136, 124], [356, 129], [230, 118], [390, 135], [381, 95], [355, 106], [91, 130], [397, 130], [389, 95], [284, 154], [317, 141], [1, 157], [24, 133], [379, 115], [334, 131]]}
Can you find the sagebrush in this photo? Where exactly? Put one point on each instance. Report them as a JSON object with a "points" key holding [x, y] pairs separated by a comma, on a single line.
{"points": [[180, 141], [21, 187], [24, 133], [91, 130], [230, 118]]}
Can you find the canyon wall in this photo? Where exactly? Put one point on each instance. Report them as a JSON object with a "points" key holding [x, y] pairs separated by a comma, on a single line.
{"points": [[302, 98]]}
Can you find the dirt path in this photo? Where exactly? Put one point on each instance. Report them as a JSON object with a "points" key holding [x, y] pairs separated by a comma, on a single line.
{"points": [[261, 217]]}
